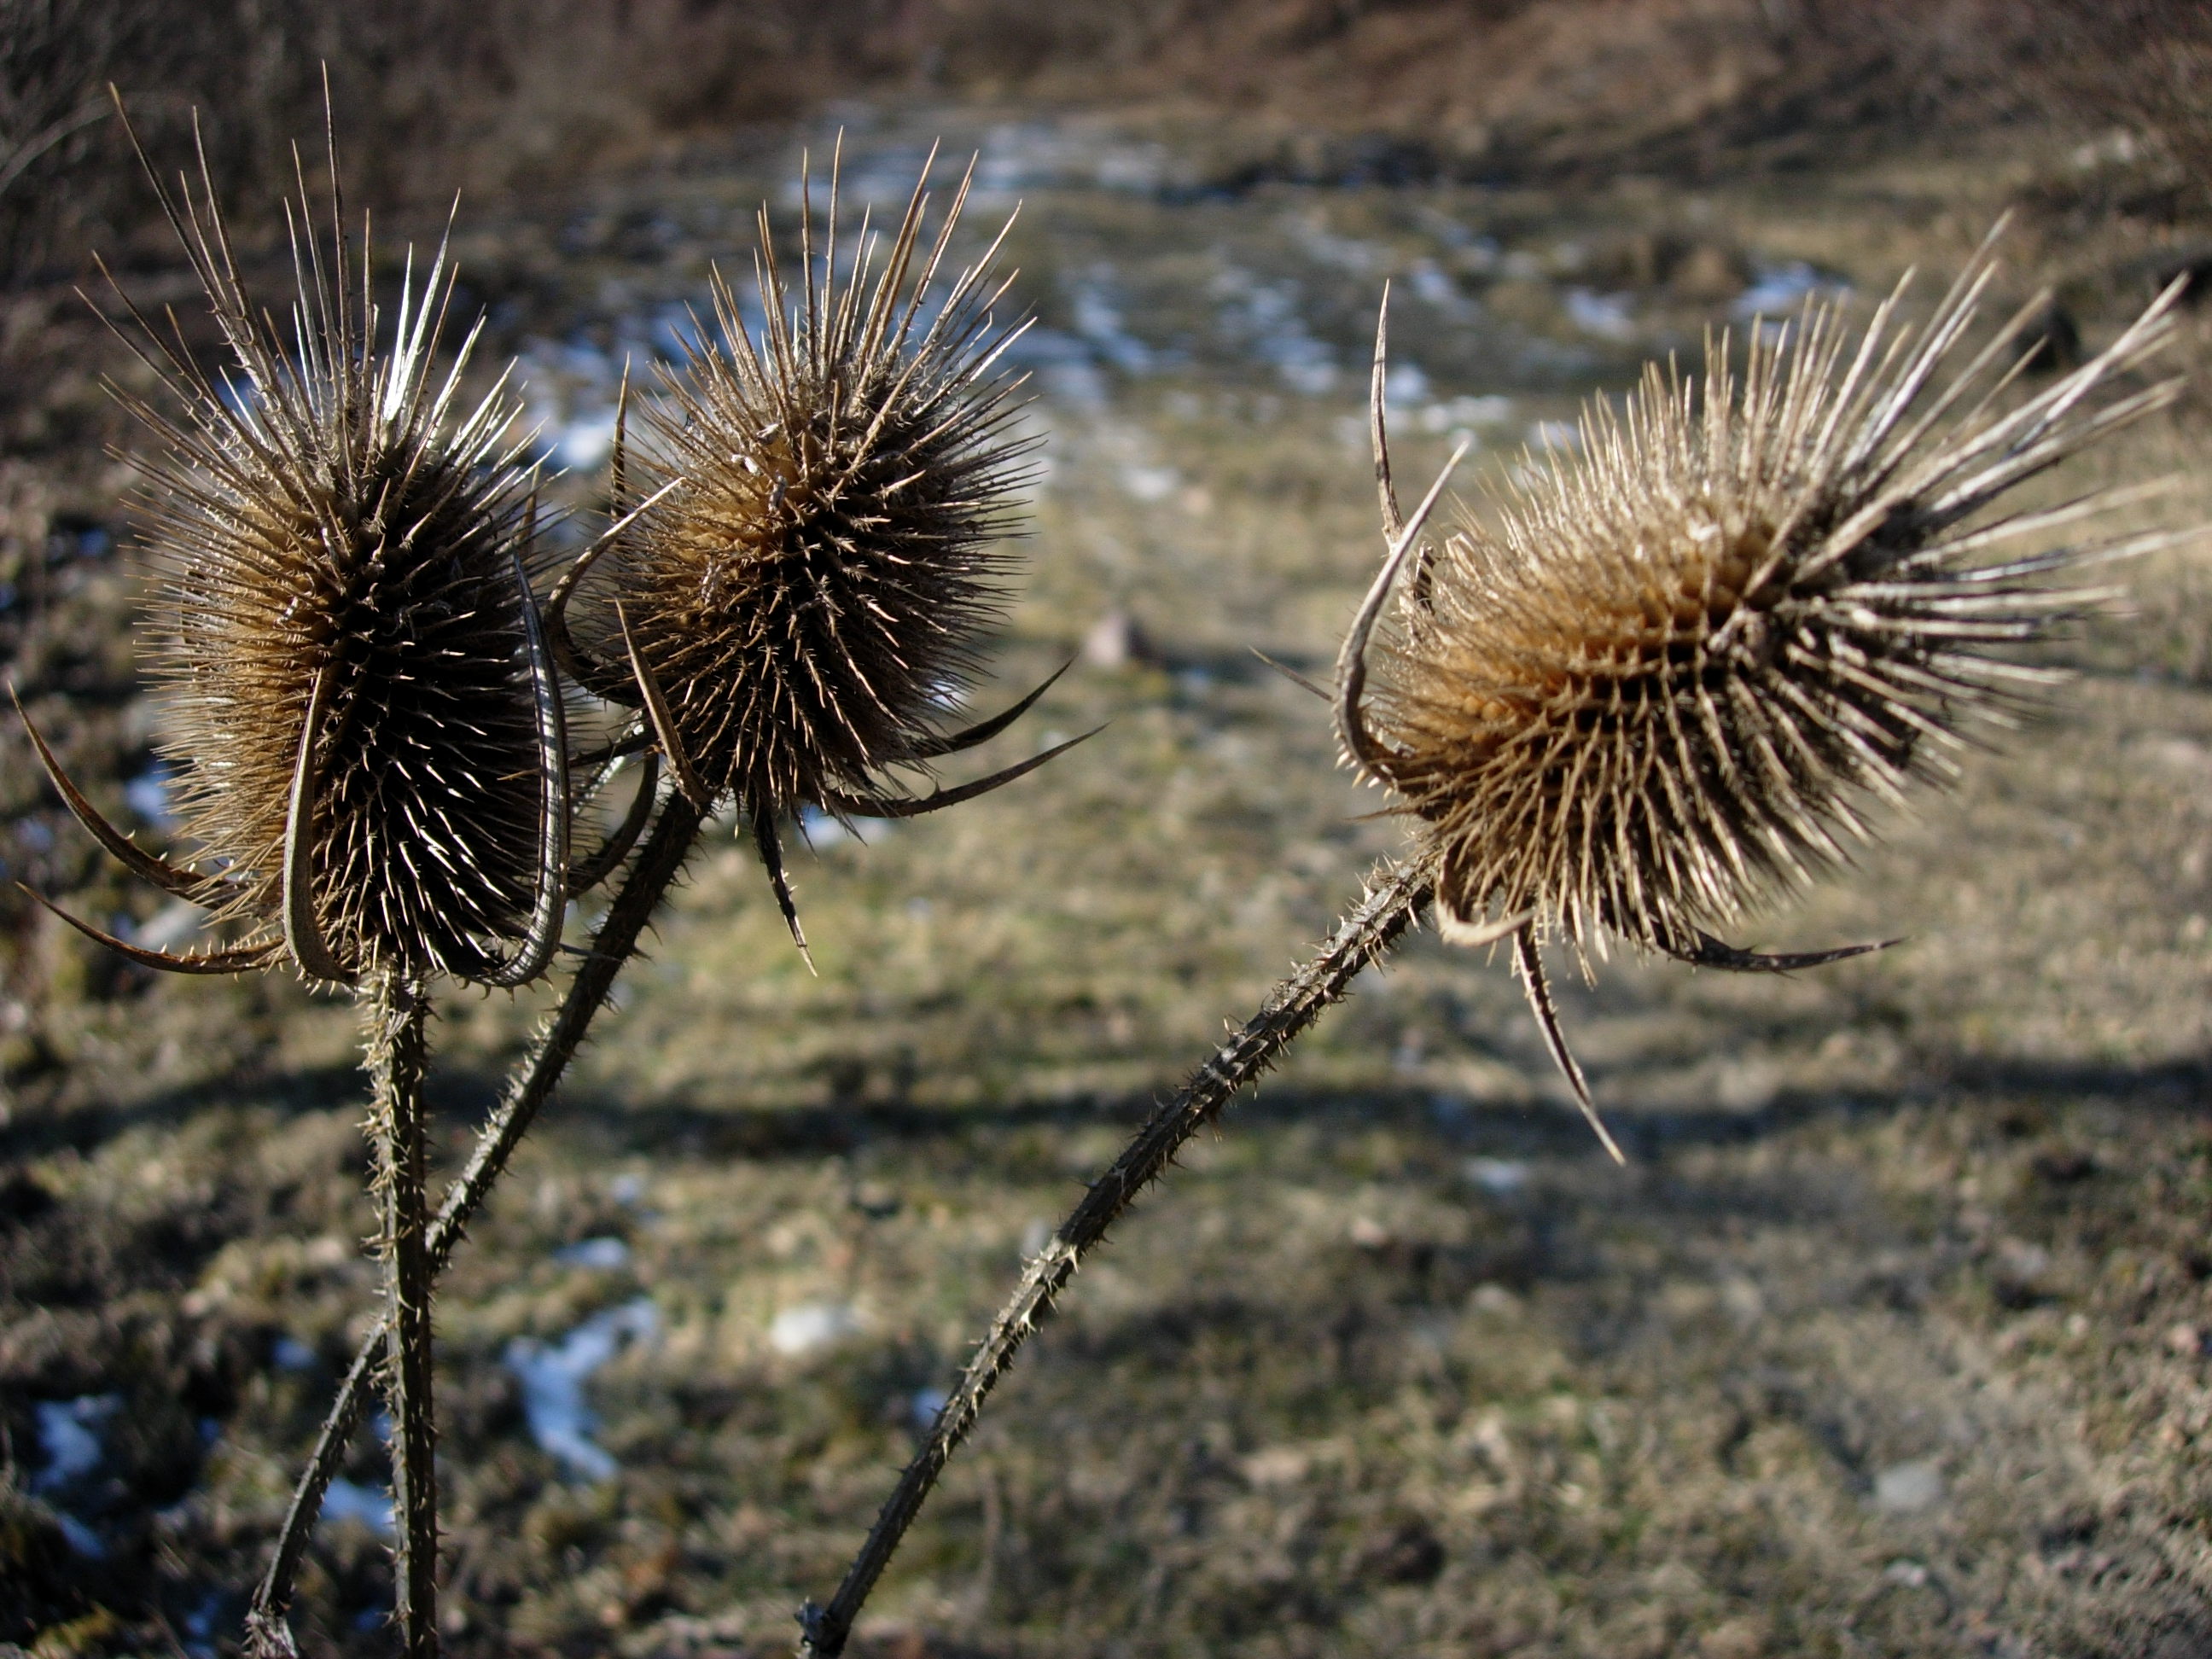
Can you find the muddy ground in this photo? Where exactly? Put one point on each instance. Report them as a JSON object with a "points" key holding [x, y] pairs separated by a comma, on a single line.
{"points": [[1894, 1338]]}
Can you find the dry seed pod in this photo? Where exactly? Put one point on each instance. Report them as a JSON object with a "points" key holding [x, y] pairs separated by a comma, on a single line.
{"points": [[1663, 692], [361, 708], [792, 611]]}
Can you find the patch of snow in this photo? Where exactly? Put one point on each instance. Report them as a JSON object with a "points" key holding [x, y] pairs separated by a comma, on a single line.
{"points": [[1777, 288], [1098, 320], [1405, 384], [290, 1354], [149, 796], [171, 926], [199, 1625], [1499, 1177], [821, 830], [1113, 641], [1264, 318], [68, 1434], [1036, 347], [811, 1325], [1137, 168], [1433, 285], [584, 443], [1310, 232], [553, 1375], [1460, 416], [1909, 1488], [1606, 315], [921, 1410], [1077, 385], [368, 1506], [1150, 483], [602, 1255]]}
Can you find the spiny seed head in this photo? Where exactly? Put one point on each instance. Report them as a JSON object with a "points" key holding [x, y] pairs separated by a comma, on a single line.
{"points": [[1665, 687], [812, 594], [341, 564]]}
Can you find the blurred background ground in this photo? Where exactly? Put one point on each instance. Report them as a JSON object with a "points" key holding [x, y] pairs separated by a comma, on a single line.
{"points": [[1893, 1339]]}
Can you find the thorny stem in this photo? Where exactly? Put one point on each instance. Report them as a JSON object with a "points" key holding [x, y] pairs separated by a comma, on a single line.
{"points": [[1366, 935], [393, 1015], [658, 862]]}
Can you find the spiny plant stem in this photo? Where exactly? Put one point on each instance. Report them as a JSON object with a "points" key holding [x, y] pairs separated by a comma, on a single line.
{"points": [[658, 865], [394, 1013], [1369, 932]]}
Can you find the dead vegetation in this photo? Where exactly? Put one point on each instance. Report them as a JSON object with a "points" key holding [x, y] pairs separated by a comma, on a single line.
{"points": [[436, 95]]}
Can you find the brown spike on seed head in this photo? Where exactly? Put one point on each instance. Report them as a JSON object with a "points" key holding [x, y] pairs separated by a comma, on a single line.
{"points": [[321, 513], [805, 600], [1667, 687]]}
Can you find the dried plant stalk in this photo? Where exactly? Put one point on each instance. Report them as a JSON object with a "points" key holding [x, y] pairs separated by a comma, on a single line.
{"points": [[393, 1015], [360, 703], [1395, 897], [675, 832]]}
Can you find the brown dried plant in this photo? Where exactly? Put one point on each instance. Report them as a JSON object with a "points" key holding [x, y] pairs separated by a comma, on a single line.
{"points": [[1666, 691], [1667, 688], [810, 581], [360, 703], [806, 592]]}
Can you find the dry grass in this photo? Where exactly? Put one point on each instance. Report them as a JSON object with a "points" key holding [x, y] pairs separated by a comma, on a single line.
{"points": [[2144, 67]]}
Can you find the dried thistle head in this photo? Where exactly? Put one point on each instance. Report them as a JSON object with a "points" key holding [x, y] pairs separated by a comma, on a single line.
{"points": [[360, 707], [810, 587], [1664, 691]]}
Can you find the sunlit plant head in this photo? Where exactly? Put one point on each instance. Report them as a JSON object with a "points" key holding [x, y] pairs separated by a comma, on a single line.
{"points": [[1702, 641], [806, 593], [363, 720]]}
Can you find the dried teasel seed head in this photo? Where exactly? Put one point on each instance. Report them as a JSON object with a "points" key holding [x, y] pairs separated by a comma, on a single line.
{"points": [[360, 708], [826, 570], [795, 612], [1665, 690]]}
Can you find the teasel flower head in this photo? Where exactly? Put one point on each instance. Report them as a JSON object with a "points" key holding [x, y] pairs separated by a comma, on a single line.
{"points": [[807, 588], [361, 710], [1698, 646]]}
